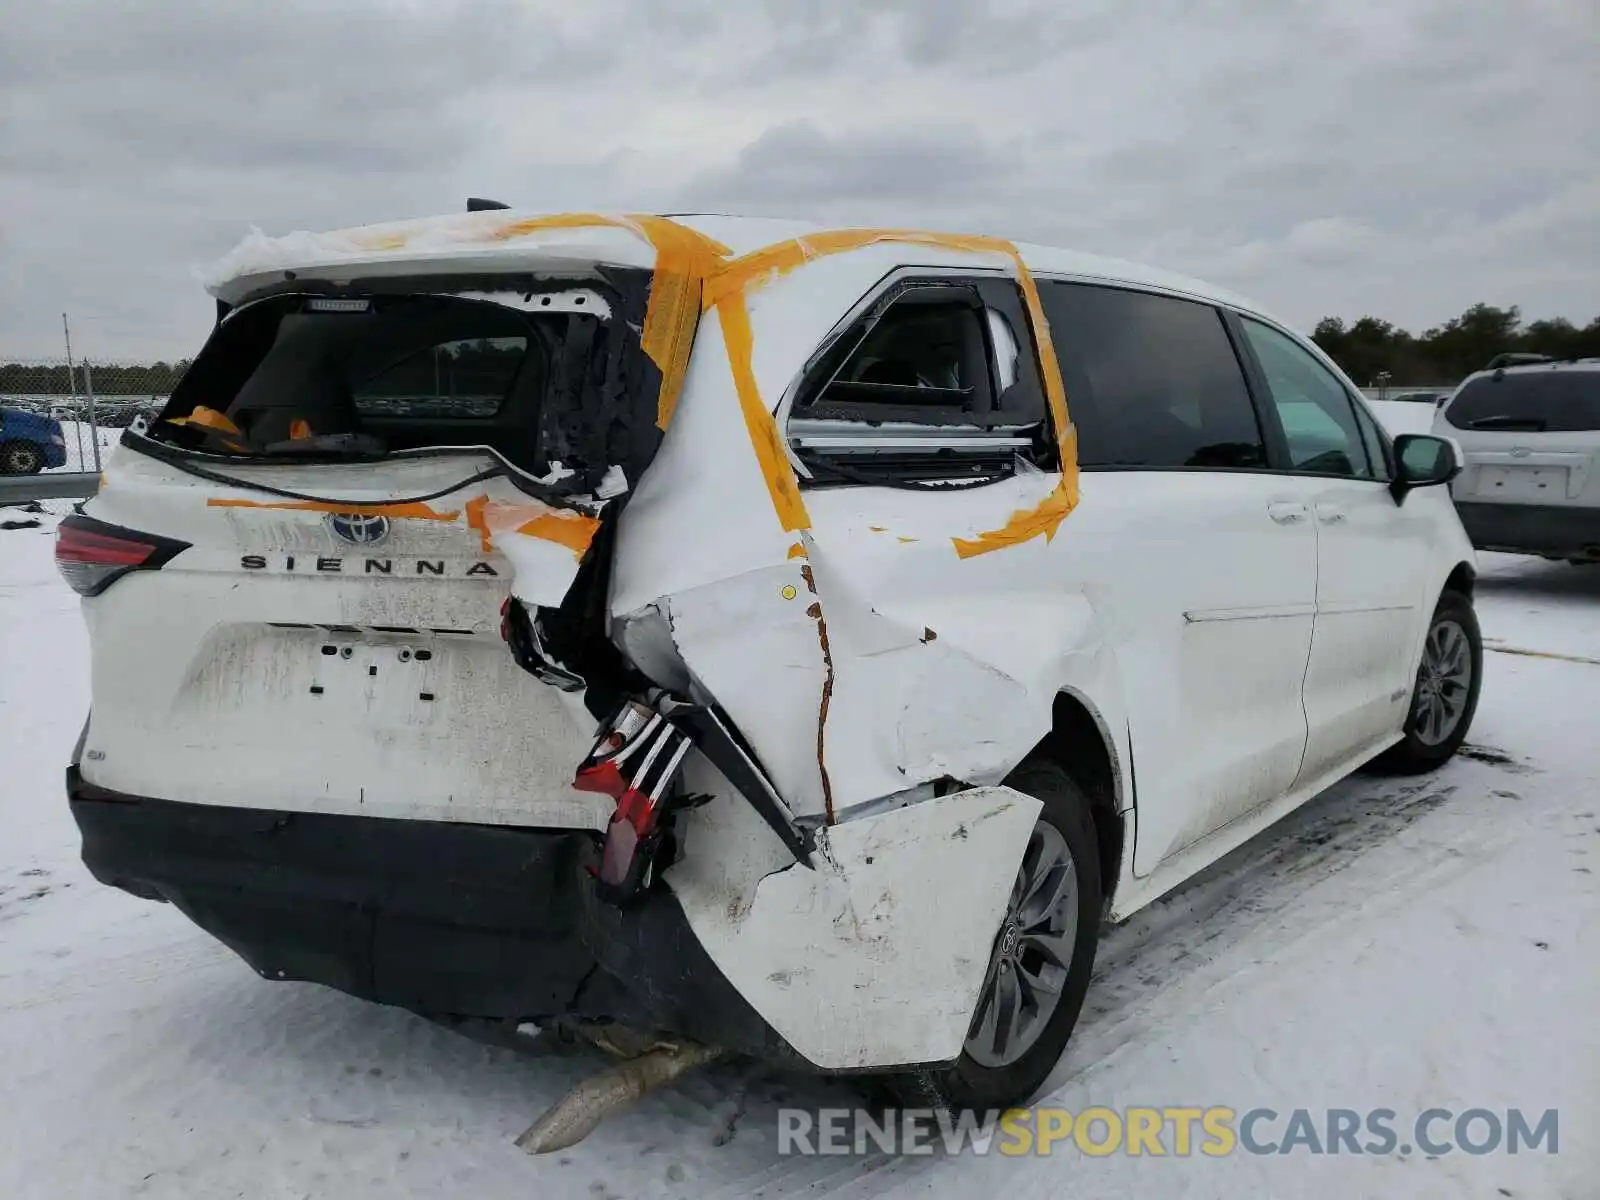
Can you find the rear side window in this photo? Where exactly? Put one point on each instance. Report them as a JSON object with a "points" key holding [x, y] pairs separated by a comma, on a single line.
{"points": [[928, 353], [1151, 381], [1539, 401], [932, 382]]}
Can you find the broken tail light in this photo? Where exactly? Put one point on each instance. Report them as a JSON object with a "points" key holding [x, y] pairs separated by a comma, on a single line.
{"points": [[92, 555], [635, 761]]}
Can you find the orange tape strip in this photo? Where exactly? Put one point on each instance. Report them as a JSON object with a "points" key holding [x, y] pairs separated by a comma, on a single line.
{"points": [[684, 260], [694, 274], [478, 518], [409, 512], [574, 530], [782, 483], [732, 284], [207, 418]]}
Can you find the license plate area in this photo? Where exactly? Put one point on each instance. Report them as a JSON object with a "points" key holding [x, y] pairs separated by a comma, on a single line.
{"points": [[393, 680], [1522, 483]]}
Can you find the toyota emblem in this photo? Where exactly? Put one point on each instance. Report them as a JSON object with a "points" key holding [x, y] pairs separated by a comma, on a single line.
{"points": [[359, 529]]}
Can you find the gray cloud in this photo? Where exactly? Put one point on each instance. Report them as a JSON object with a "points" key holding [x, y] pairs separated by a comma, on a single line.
{"points": [[1406, 158], [799, 166]]}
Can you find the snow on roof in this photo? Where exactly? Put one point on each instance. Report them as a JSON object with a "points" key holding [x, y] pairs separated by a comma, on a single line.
{"points": [[477, 240]]}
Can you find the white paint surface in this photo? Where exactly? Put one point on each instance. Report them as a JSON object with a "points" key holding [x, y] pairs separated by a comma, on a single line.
{"points": [[1379, 948], [202, 695], [876, 956]]}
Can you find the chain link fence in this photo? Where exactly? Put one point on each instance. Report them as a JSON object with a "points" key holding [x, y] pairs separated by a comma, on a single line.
{"points": [[61, 416]]}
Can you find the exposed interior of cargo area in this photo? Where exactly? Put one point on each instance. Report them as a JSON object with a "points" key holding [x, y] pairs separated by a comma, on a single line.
{"points": [[546, 374], [344, 486]]}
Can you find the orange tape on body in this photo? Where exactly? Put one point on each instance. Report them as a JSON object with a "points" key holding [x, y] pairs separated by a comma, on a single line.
{"points": [[727, 291], [685, 259], [408, 512], [208, 418], [783, 485], [695, 273], [574, 530]]}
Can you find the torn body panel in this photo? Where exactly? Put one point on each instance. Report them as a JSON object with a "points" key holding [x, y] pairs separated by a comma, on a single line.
{"points": [[875, 958], [920, 637]]}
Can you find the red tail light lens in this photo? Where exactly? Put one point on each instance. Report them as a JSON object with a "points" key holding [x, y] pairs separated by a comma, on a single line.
{"points": [[635, 761], [91, 555]]}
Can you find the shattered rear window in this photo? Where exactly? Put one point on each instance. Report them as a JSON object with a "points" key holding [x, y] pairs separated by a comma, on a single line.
{"points": [[366, 375], [468, 377]]}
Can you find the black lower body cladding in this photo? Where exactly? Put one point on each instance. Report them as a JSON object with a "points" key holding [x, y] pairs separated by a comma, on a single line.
{"points": [[1556, 531], [449, 920]]}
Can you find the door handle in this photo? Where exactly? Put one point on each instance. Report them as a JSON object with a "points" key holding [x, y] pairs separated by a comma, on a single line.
{"points": [[1329, 514], [1286, 512]]}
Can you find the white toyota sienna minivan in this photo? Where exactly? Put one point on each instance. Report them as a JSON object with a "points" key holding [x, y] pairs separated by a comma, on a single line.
{"points": [[791, 641]]}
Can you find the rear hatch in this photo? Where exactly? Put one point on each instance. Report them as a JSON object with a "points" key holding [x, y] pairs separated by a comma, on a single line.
{"points": [[335, 504], [1531, 435]]}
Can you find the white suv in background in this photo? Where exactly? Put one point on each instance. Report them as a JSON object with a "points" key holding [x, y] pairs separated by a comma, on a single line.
{"points": [[1531, 435], [796, 640]]}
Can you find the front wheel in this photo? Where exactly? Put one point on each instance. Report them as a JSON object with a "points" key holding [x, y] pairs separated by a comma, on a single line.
{"points": [[1040, 962], [20, 458], [1445, 696]]}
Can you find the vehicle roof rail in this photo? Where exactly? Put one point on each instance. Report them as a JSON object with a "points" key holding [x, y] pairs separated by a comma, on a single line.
{"points": [[1516, 359]]}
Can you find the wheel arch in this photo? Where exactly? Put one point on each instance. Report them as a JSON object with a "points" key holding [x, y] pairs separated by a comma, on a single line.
{"points": [[1461, 579], [1081, 741]]}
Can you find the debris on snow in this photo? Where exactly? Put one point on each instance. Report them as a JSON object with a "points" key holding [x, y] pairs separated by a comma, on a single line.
{"points": [[576, 1115]]}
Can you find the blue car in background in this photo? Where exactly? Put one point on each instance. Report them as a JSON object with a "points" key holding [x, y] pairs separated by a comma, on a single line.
{"points": [[29, 443]]}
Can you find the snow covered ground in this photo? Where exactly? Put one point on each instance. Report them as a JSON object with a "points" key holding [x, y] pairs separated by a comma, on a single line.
{"points": [[1411, 944]]}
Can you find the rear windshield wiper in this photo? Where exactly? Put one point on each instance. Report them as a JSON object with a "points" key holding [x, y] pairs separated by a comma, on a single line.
{"points": [[1506, 421]]}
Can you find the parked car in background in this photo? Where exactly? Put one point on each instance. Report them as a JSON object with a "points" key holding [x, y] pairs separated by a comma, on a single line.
{"points": [[121, 416], [1531, 435], [29, 443], [742, 631]]}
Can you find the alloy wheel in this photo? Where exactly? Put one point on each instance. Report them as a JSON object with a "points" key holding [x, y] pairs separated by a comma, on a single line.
{"points": [[1032, 954], [1444, 682]]}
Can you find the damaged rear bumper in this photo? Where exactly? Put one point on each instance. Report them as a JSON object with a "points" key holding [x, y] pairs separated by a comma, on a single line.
{"points": [[441, 918]]}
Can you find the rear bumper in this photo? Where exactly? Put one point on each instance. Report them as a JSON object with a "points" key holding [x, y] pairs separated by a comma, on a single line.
{"points": [[440, 918], [1557, 531]]}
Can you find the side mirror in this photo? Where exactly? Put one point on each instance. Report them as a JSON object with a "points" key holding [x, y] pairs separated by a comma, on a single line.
{"points": [[1423, 460]]}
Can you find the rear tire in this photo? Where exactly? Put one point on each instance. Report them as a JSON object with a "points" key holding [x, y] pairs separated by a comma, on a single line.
{"points": [[995, 1072], [1442, 702], [20, 458]]}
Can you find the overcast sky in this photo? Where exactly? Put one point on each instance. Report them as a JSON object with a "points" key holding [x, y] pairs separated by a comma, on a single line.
{"points": [[1400, 157]]}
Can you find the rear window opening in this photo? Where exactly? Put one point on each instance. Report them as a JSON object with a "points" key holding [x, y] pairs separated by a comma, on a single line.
{"points": [[549, 382], [936, 383], [1532, 401], [928, 353]]}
